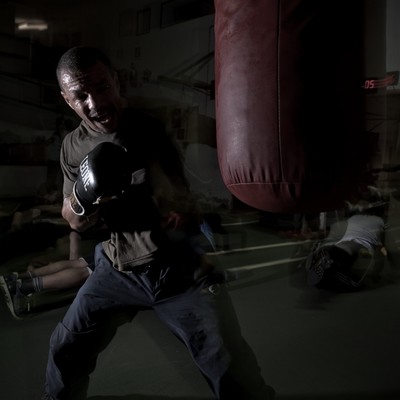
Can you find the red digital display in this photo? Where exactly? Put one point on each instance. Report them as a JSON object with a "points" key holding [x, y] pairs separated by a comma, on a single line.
{"points": [[391, 79]]}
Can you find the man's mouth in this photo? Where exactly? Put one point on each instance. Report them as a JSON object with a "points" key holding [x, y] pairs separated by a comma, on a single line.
{"points": [[103, 118]]}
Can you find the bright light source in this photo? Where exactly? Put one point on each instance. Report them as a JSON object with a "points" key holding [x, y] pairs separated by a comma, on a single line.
{"points": [[32, 27], [30, 24]]}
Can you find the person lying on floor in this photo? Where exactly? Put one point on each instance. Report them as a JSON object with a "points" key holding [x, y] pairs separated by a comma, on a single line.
{"points": [[17, 287], [329, 264]]}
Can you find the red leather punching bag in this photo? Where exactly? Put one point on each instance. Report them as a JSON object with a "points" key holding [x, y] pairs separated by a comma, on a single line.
{"points": [[289, 108]]}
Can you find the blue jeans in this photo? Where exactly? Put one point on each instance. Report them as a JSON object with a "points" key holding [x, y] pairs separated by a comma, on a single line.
{"points": [[199, 313]]}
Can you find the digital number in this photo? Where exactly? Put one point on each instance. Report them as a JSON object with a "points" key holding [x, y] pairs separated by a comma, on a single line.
{"points": [[369, 84]]}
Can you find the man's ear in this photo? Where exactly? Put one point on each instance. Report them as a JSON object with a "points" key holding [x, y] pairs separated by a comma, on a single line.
{"points": [[66, 99]]}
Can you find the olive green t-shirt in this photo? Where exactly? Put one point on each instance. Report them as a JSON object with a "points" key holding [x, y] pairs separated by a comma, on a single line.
{"points": [[158, 187]]}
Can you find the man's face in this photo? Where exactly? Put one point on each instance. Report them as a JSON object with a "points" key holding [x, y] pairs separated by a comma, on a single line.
{"points": [[94, 95]]}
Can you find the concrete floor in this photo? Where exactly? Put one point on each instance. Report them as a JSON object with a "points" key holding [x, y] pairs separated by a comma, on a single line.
{"points": [[311, 344]]}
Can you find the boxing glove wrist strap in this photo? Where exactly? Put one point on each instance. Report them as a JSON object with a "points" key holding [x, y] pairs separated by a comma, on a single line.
{"points": [[78, 208]]}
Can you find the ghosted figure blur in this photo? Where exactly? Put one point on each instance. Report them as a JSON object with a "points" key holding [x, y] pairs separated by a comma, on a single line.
{"points": [[330, 265], [61, 275]]}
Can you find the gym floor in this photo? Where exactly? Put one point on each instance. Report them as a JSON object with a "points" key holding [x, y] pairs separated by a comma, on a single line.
{"points": [[311, 344]]}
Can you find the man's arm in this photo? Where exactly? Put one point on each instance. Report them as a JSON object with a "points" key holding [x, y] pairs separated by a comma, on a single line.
{"points": [[78, 223], [103, 174]]}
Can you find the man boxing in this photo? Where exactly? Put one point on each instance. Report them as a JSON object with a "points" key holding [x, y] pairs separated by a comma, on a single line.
{"points": [[121, 169]]}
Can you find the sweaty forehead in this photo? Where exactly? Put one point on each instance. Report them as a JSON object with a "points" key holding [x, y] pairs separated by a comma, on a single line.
{"points": [[84, 79], [69, 79]]}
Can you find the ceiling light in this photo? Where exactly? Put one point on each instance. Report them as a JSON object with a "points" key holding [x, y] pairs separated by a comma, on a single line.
{"points": [[31, 25]]}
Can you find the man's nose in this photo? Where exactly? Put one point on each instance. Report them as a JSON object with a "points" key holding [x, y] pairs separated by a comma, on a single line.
{"points": [[94, 101]]}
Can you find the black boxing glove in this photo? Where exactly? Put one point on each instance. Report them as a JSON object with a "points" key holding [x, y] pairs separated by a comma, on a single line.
{"points": [[104, 172]]}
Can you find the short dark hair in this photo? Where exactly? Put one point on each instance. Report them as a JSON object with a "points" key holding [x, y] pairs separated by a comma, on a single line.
{"points": [[80, 58]]}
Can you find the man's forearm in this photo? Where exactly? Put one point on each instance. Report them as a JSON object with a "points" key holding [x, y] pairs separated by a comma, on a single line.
{"points": [[78, 223]]}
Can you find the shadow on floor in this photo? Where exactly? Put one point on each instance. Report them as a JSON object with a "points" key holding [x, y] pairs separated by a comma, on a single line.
{"points": [[354, 396], [144, 397]]}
